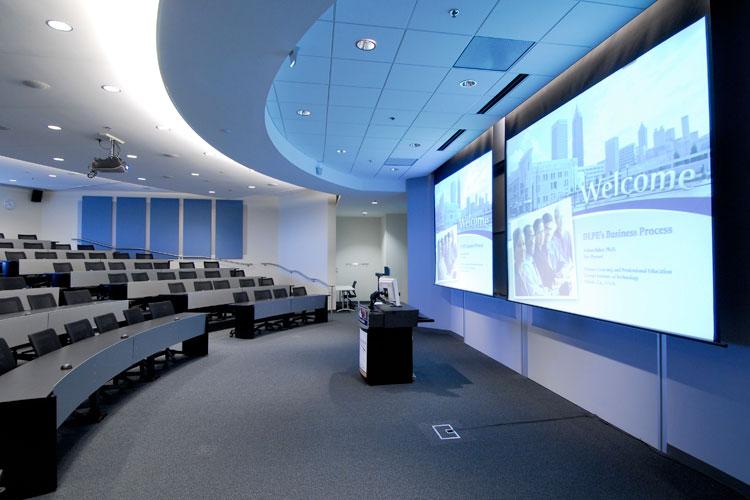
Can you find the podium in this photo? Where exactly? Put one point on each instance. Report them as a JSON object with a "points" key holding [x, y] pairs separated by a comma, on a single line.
{"points": [[385, 343]]}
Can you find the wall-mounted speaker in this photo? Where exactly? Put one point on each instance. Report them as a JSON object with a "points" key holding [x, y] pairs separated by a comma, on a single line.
{"points": [[36, 195]]}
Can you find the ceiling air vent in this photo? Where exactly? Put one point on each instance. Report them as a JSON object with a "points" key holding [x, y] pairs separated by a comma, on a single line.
{"points": [[400, 162], [451, 139], [505, 91]]}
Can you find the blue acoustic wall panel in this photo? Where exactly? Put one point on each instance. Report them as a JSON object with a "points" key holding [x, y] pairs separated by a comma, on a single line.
{"points": [[196, 228], [130, 233], [229, 227], [96, 220], [165, 227]]}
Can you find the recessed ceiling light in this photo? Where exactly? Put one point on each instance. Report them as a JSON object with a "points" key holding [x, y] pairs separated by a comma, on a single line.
{"points": [[251, 187], [170, 155], [366, 44], [36, 84], [394, 169], [51, 175], [57, 158], [341, 151], [454, 13], [12, 180], [59, 25], [467, 83], [141, 178], [212, 192], [162, 127], [304, 112], [374, 202], [111, 88], [54, 127], [132, 157], [415, 145], [251, 170], [364, 213], [194, 174]]}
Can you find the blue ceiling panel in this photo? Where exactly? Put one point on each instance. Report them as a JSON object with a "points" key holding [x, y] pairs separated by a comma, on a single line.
{"points": [[590, 24], [549, 59], [273, 109], [346, 35], [453, 103], [433, 15], [341, 95], [423, 135], [496, 54], [344, 143], [289, 112], [386, 132], [435, 120], [349, 114], [309, 69], [401, 118], [359, 73], [312, 93], [403, 99], [524, 19], [378, 144], [303, 127], [392, 13], [317, 40], [350, 129], [422, 78], [310, 144], [328, 14], [431, 49], [485, 80]]}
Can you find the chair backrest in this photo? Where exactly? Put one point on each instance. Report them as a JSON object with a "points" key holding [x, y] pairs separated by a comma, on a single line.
{"points": [[85, 246], [33, 246], [212, 274], [97, 255], [7, 359], [120, 255], [15, 255], [262, 294], [26, 236], [2, 235], [117, 277], [74, 255], [45, 341], [77, 296], [41, 301], [106, 322], [144, 256], [161, 309], [354, 284], [221, 284], [210, 264], [187, 265], [116, 266], [202, 286], [265, 282], [139, 276], [299, 291], [165, 275], [10, 305], [94, 266], [144, 265], [161, 265], [61, 246], [188, 275], [236, 273], [62, 267], [176, 288], [247, 282], [45, 255], [79, 330], [240, 297], [12, 283], [134, 315], [6, 244], [280, 293]]}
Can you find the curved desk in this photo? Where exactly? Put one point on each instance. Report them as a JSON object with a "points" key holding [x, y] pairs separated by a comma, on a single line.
{"points": [[37, 397]]}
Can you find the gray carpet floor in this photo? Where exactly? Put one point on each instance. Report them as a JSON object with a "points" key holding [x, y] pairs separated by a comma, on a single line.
{"points": [[286, 415]]}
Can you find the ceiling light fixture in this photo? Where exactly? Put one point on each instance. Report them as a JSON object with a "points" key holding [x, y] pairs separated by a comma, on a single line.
{"points": [[415, 145], [454, 13], [59, 25], [132, 157], [341, 151], [374, 202], [364, 213], [111, 88], [467, 84], [195, 174], [141, 178], [12, 180], [51, 175], [251, 187], [304, 112], [36, 84], [366, 44], [57, 158], [54, 127], [212, 192], [394, 169]]}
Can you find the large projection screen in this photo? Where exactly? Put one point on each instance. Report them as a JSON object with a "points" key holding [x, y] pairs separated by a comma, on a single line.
{"points": [[463, 228], [609, 197]]}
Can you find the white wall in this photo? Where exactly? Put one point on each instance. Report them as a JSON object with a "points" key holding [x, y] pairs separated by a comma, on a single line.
{"points": [[26, 218], [359, 240], [395, 251], [262, 229]]}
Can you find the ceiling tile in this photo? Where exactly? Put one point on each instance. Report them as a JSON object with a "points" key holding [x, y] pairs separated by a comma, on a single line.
{"points": [[423, 135], [502, 108], [392, 13], [317, 40], [386, 132], [407, 77], [303, 127], [435, 120], [485, 80], [549, 59], [273, 109], [433, 15], [403, 99], [590, 23], [346, 143], [349, 114], [452, 103], [431, 49], [313, 93], [528, 87], [476, 122], [309, 69], [524, 19], [289, 112], [346, 160], [341, 95], [359, 73], [497, 54], [310, 144], [345, 36], [350, 129], [328, 14], [378, 144], [402, 118]]}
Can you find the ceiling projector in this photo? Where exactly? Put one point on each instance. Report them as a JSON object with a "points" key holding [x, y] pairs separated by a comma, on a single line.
{"points": [[112, 164]]}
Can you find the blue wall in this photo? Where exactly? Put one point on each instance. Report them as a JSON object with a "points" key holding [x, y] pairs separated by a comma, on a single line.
{"points": [[131, 223], [229, 229], [165, 226], [96, 219], [196, 228]]}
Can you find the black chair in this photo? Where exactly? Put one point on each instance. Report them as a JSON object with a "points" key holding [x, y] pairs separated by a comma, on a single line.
{"points": [[41, 301], [280, 293], [27, 237], [74, 255], [10, 305], [144, 265], [165, 276], [61, 246], [45, 255], [45, 341], [144, 256], [236, 273], [120, 255], [77, 297], [12, 283], [265, 282], [6, 244], [117, 278], [247, 283], [85, 246], [33, 246], [210, 264], [212, 274], [139, 276], [97, 255], [116, 266], [2, 235], [79, 330], [262, 295], [106, 322], [221, 284], [7, 359], [62, 267], [94, 266], [240, 297], [161, 265], [187, 265], [202, 286], [176, 288], [188, 275], [348, 296], [299, 291], [134, 315], [15, 255], [161, 309]]}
